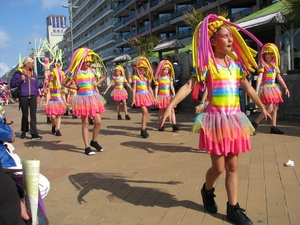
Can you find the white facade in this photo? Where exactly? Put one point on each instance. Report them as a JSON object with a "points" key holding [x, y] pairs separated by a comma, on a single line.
{"points": [[56, 24], [93, 27]]}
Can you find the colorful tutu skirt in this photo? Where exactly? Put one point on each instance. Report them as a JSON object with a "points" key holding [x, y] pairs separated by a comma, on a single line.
{"points": [[119, 94], [56, 107], [88, 105], [270, 94], [163, 101], [143, 99], [222, 134]]}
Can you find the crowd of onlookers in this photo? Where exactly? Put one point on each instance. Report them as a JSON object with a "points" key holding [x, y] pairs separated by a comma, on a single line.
{"points": [[5, 94]]}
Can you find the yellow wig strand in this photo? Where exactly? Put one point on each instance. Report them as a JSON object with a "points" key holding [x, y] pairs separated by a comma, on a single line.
{"points": [[54, 73], [120, 68], [79, 57], [143, 62], [270, 48]]}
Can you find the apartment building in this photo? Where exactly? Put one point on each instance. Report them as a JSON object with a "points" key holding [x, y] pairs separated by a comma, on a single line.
{"points": [[165, 18], [93, 27], [103, 25]]}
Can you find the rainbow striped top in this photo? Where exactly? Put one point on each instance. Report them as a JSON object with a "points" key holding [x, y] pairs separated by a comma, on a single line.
{"points": [[223, 89], [55, 92], [119, 82], [85, 82], [141, 85], [269, 76], [164, 86]]}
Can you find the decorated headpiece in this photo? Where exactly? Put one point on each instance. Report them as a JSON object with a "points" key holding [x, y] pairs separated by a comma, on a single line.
{"points": [[270, 48], [57, 73], [120, 68], [143, 62], [88, 58], [80, 56], [163, 65], [203, 56]]}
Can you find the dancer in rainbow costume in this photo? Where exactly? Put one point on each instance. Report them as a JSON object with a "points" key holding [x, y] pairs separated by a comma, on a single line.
{"points": [[55, 104], [222, 60], [88, 102], [164, 90], [269, 92], [142, 93], [119, 93]]}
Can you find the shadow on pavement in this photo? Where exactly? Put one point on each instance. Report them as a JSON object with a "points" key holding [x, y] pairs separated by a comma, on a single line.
{"points": [[151, 147]]}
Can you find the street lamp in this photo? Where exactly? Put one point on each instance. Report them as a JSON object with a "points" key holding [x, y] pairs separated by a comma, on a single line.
{"points": [[70, 6]]}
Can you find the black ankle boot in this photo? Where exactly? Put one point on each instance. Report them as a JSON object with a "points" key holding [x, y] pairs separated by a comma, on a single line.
{"points": [[255, 125], [119, 117], [236, 215], [127, 117], [175, 127], [275, 130], [91, 121], [53, 129], [48, 120], [144, 133], [208, 199]]}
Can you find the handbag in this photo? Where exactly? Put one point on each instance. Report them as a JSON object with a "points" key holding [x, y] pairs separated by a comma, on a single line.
{"points": [[15, 93]]}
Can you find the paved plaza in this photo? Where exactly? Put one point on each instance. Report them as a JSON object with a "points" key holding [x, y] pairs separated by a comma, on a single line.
{"points": [[157, 180]]}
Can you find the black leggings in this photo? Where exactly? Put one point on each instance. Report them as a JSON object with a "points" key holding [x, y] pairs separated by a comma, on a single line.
{"points": [[25, 105]]}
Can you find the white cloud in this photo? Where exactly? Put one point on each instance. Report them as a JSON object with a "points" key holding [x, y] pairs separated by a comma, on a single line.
{"points": [[3, 68], [4, 39], [47, 4]]}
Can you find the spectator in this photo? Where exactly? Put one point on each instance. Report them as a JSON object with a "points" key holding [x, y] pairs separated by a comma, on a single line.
{"points": [[178, 73], [26, 78]]}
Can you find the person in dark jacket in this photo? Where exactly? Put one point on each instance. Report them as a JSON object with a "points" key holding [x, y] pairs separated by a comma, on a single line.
{"points": [[26, 78]]}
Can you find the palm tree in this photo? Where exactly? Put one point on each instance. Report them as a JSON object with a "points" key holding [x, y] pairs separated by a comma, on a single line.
{"points": [[194, 16], [293, 9], [144, 44]]}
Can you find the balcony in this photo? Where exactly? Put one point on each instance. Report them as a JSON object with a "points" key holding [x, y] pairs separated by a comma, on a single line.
{"points": [[108, 54], [101, 29], [123, 24], [109, 39], [88, 12], [122, 8], [161, 20], [89, 24]]}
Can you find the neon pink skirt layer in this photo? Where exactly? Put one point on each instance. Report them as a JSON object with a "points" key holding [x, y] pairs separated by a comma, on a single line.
{"points": [[119, 94], [163, 101], [55, 108], [270, 95], [223, 134], [143, 99], [88, 105]]}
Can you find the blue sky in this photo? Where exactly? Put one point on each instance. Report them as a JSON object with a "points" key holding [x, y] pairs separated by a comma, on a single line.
{"points": [[23, 21]]}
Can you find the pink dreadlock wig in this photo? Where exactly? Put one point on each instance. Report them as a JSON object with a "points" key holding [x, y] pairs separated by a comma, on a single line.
{"points": [[163, 65], [203, 55], [269, 48]]}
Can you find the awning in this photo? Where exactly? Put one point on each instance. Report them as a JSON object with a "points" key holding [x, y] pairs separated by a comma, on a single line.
{"points": [[168, 46], [271, 14], [272, 18], [122, 58]]}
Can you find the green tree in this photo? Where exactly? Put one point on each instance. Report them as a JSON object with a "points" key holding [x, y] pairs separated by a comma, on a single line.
{"points": [[194, 16], [144, 44], [293, 9]]}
